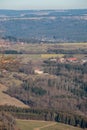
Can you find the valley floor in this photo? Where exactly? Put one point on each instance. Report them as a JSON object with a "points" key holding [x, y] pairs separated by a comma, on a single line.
{"points": [[43, 125]]}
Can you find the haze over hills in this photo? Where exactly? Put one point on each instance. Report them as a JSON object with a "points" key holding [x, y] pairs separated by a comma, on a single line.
{"points": [[44, 25]]}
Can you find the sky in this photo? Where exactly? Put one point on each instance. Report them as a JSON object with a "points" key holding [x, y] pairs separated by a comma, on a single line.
{"points": [[43, 4]]}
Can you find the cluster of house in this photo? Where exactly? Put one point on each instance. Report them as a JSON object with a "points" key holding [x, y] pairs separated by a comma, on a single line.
{"points": [[69, 60], [63, 60]]}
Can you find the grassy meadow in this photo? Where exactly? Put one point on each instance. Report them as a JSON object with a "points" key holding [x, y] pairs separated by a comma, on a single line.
{"points": [[46, 56], [40, 51], [43, 125]]}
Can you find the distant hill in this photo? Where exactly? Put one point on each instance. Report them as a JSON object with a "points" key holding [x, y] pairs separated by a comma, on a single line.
{"points": [[44, 25]]}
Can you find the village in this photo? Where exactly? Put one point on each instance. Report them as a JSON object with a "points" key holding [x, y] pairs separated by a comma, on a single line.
{"points": [[62, 60], [69, 60]]}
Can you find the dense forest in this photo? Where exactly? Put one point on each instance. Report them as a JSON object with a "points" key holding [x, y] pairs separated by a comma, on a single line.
{"points": [[7, 121], [63, 86], [49, 26], [45, 114]]}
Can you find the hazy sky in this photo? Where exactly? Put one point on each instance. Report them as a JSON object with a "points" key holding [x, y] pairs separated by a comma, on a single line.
{"points": [[43, 4]]}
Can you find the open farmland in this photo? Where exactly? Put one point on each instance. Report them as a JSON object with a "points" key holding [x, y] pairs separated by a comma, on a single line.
{"points": [[33, 52], [46, 56], [43, 125], [42, 48]]}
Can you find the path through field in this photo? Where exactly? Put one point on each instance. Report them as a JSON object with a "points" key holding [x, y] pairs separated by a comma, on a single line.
{"points": [[39, 128]]}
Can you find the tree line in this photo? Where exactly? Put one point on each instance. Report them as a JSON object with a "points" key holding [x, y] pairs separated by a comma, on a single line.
{"points": [[47, 115], [7, 121]]}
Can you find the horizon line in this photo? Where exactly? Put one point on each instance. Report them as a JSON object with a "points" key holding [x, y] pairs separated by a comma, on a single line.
{"points": [[45, 9]]}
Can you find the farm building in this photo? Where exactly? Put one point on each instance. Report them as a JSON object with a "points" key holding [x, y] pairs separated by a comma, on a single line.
{"points": [[72, 59], [84, 60], [53, 59], [37, 71], [61, 60]]}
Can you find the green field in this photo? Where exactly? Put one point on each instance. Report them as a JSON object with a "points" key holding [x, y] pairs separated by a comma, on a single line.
{"points": [[46, 56], [43, 125]]}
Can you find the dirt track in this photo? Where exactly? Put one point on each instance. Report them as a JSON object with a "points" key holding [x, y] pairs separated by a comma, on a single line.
{"points": [[39, 128]]}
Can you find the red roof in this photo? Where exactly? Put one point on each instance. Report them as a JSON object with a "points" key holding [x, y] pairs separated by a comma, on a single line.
{"points": [[72, 59]]}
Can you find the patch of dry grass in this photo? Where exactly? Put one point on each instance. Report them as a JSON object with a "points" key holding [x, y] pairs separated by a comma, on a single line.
{"points": [[46, 56], [8, 100]]}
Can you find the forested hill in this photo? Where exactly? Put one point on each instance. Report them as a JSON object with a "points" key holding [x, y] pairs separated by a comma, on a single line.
{"points": [[44, 25]]}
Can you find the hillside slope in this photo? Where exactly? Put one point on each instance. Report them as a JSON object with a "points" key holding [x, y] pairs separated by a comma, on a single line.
{"points": [[7, 100]]}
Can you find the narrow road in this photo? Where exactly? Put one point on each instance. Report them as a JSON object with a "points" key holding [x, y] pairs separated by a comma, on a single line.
{"points": [[39, 128]]}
